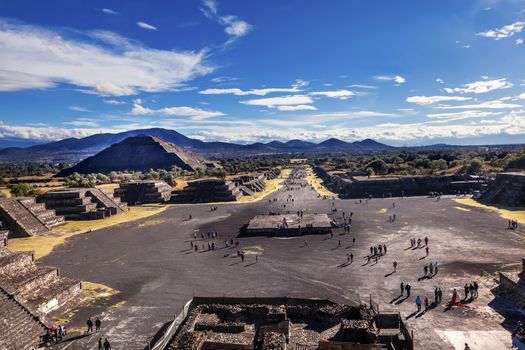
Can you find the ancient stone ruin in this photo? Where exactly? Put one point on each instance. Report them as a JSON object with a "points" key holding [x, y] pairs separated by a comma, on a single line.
{"points": [[30, 297], [508, 189], [140, 153], [250, 184], [83, 203], [141, 192], [289, 224], [285, 323], [24, 217], [208, 190], [349, 185]]}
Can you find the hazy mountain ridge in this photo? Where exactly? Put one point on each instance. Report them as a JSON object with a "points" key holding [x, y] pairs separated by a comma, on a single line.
{"points": [[76, 149]]}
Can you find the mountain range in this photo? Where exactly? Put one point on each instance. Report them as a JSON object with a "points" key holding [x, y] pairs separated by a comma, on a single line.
{"points": [[72, 150]]}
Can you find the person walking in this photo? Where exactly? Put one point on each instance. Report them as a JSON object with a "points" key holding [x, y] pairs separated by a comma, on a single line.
{"points": [[407, 288], [402, 288], [89, 324], [466, 289], [107, 345], [418, 303], [100, 344], [427, 304], [98, 324], [436, 296], [394, 264]]}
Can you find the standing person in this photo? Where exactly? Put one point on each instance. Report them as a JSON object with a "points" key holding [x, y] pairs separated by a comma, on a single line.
{"points": [[476, 287], [418, 303], [98, 323], [436, 296], [89, 324], [100, 344], [351, 258], [107, 345], [426, 240], [395, 265], [353, 241], [427, 304], [466, 289], [426, 250], [402, 288], [440, 295], [407, 288], [425, 269]]}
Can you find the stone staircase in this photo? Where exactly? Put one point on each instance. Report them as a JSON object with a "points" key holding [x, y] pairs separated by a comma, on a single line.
{"points": [[19, 328], [25, 217], [106, 200]]}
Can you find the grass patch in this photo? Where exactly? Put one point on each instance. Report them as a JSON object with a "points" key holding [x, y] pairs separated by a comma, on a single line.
{"points": [[318, 184], [42, 245], [507, 213]]}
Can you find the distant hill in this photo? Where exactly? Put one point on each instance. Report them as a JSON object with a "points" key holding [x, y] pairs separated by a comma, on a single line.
{"points": [[139, 153], [73, 150]]}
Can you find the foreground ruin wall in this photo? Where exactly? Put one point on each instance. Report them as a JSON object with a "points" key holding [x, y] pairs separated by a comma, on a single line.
{"points": [[30, 296], [265, 323], [507, 189], [362, 186]]}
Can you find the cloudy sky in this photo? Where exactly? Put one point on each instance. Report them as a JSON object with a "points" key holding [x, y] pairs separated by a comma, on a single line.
{"points": [[404, 72]]}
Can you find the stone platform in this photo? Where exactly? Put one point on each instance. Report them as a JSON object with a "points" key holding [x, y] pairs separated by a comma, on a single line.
{"points": [[82, 203], [291, 224], [146, 191]]}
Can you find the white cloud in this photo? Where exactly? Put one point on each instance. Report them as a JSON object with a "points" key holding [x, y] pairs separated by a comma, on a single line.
{"points": [[340, 94], [360, 86], [518, 42], [272, 102], [503, 32], [494, 104], [145, 25], [109, 11], [427, 100], [522, 96], [113, 102], [78, 109], [447, 117], [440, 81], [395, 78], [480, 87], [34, 58], [183, 111], [233, 26], [296, 108], [46, 133], [239, 92], [83, 122], [353, 115]]}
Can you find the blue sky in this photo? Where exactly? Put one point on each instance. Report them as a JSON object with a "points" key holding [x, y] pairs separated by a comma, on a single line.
{"points": [[399, 71]]}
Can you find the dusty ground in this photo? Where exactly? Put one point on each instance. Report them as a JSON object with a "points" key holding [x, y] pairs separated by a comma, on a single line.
{"points": [[151, 264]]}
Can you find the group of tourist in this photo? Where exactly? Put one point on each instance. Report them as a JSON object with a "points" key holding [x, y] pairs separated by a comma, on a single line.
{"points": [[513, 224], [471, 289], [416, 243], [55, 334]]}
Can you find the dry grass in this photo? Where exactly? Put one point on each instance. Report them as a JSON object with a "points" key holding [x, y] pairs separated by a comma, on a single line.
{"points": [[43, 245], [318, 184], [109, 188], [271, 186], [507, 213]]}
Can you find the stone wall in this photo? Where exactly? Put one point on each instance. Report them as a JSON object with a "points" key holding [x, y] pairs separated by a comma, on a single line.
{"points": [[362, 186], [507, 189]]}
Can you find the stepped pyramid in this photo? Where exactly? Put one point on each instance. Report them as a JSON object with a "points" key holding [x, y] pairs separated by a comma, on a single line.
{"points": [[139, 153], [25, 217]]}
